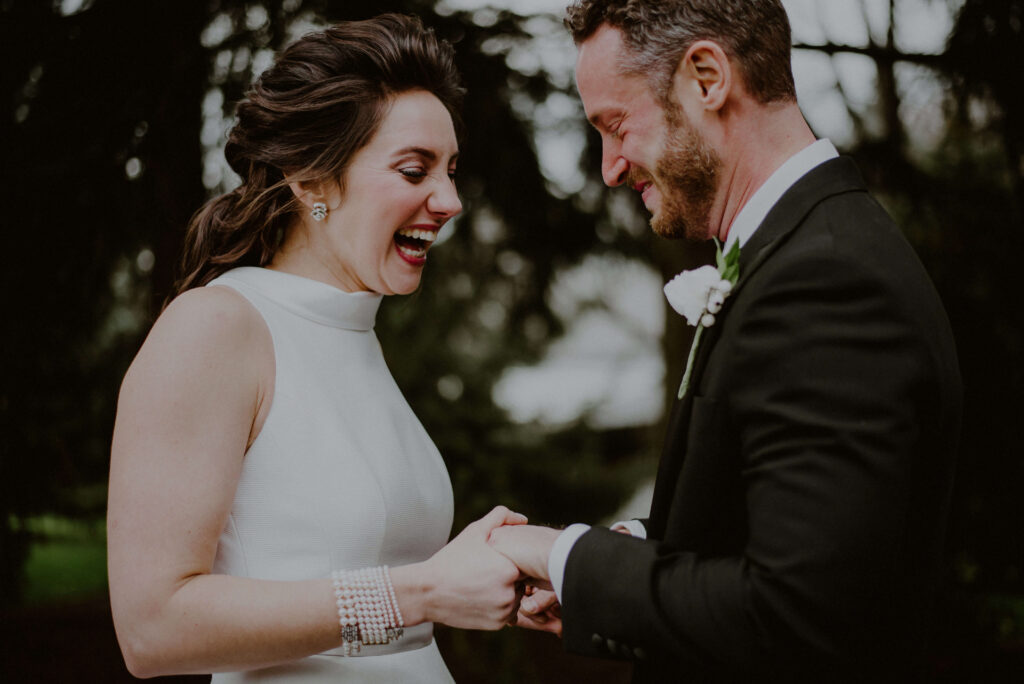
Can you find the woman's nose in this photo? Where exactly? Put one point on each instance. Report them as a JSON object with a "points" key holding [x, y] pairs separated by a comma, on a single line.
{"points": [[445, 200]]}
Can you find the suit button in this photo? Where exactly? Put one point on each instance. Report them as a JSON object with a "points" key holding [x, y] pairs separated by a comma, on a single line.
{"points": [[613, 646], [597, 640], [639, 653]]}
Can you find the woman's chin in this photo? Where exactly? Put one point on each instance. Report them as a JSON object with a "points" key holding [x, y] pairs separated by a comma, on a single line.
{"points": [[403, 285]]}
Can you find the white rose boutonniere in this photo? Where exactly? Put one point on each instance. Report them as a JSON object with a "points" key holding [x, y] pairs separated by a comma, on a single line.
{"points": [[698, 296]]}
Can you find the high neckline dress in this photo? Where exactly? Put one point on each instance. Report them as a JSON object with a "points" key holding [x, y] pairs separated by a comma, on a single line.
{"points": [[342, 475]]}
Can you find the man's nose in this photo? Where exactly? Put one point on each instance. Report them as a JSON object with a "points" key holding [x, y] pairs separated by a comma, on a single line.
{"points": [[613, 166]]}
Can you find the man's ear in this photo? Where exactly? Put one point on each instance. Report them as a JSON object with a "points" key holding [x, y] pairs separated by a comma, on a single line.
{"points": [[704, 74]]}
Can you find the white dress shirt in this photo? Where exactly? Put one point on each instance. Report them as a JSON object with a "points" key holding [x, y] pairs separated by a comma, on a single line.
{"points": [[743, 227]]}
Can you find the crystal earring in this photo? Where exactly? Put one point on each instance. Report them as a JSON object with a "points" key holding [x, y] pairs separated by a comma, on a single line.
{"points": [[319, 212]]}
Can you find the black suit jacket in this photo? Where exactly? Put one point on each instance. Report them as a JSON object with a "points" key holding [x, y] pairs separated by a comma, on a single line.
{"points": [[796, 528]]}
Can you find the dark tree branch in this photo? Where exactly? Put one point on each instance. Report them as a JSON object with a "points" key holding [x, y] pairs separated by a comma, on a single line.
{"points": [[887, 54]]}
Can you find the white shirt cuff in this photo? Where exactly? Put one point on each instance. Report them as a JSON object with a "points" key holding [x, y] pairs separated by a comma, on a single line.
{"points": [[559, 555], [634, 527]]}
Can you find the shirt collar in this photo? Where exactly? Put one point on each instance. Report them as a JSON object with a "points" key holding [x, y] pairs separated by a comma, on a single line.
{"points": [[758, 206]]}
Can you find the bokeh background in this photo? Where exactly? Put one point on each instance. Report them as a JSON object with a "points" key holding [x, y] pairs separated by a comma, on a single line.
{"points": [[539, 352]]}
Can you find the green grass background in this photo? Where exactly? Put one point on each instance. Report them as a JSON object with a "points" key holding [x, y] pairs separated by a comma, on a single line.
{"points": [[67, 560]]}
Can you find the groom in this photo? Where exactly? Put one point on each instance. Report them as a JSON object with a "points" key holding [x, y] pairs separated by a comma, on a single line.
{"points": [[797, 521]]}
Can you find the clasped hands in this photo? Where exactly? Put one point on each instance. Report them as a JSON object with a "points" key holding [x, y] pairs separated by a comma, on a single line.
{"points": [[528, 547], [494, 573]]}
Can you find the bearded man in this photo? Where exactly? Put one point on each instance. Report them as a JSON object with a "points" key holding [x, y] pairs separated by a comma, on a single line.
{"points": [[796, 527]]}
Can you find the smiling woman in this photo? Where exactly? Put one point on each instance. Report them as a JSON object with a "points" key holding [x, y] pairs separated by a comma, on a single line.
{"points": [[265, 469], [352, 105], [366, 244]]}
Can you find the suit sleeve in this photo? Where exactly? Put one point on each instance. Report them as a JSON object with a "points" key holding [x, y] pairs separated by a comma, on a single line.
{"points": [[829, 396]]}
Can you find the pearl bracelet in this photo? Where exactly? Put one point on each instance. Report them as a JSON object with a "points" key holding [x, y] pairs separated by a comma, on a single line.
{"points": [[345, 600], [368, 610], [396, 613]]}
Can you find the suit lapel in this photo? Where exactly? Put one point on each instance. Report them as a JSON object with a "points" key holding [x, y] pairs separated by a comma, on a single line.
{"points": [[669, 465], [831, 178]]}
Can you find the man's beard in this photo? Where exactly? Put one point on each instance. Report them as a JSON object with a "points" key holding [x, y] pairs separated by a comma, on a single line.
{"points": [[687, 178]]}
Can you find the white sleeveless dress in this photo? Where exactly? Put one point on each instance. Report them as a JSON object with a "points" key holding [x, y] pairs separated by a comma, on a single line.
{"points": [[342, 475]]}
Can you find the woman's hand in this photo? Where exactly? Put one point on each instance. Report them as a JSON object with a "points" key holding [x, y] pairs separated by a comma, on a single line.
{"points": [[467, 584]]}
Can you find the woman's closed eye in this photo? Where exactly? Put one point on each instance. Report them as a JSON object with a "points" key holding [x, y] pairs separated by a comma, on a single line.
{"points": [[413, 173]]}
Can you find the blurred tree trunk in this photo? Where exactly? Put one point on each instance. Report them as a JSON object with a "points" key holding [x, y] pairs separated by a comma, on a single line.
{"points": [[118, 81], [961, 207], [172, 142]]}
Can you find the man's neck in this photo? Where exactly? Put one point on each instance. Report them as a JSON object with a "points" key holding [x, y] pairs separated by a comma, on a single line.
{"points": [[757, 143]]}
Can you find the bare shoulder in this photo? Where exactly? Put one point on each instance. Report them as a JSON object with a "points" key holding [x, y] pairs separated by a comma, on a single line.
{"points": [[211, 332], [209, 313]]}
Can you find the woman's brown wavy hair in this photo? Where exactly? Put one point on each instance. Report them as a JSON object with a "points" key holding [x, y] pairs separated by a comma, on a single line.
{"points": [[306, 116]]}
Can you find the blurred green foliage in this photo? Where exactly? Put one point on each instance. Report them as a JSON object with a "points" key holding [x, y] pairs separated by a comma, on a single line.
{"points": [[65, 570]]}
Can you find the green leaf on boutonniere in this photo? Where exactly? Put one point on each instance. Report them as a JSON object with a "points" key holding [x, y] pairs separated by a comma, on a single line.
{"points": [[729, 264], [729, 270]]}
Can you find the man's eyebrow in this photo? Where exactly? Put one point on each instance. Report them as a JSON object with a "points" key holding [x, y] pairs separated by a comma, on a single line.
{"points": [[596, 120]]}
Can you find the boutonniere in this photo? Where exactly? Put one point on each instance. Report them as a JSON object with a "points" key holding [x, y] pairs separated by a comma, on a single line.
{"points": [[698, 296]]}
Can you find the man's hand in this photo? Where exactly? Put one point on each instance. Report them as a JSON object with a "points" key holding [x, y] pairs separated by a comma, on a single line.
{"points": [[528, 546], [541, 611]]}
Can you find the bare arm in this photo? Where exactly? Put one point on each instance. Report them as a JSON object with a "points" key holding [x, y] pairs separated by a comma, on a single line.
{"points": [[189, 406]]}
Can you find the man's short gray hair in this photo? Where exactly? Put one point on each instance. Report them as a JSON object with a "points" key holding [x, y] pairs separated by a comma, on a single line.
{"points": [[755, 34]]}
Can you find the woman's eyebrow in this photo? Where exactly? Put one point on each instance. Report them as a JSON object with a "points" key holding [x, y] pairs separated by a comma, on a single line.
{"points": [[426, 153], [421, 151]]}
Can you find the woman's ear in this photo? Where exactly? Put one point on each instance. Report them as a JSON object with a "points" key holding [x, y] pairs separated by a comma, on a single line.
{"points": [[306, 193], [705, 74], [309, 194]]}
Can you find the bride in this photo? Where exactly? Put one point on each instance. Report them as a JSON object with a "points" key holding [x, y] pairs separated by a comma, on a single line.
{"points": [[276, 511]]}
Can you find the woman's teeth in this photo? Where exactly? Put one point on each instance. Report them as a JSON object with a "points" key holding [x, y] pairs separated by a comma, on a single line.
{"points": [[414, 253], [414, 242], [427, 236]]}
